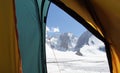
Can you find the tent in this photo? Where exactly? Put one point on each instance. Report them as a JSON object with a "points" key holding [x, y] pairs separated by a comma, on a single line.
{"points": [[22, 31]]}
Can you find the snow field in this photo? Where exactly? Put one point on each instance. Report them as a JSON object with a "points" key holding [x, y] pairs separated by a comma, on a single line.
{"points": [[69, 62]]}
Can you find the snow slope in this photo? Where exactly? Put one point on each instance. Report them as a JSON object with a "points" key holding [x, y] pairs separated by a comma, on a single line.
{"points": [[61, 54], [69, 62]]}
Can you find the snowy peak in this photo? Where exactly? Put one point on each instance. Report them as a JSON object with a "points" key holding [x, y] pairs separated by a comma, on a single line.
{"points": [[88, 38], [88, 44], [62, 42], [67, 41]]}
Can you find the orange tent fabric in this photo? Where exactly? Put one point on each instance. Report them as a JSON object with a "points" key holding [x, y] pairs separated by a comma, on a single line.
{"points": [[9, 53]]}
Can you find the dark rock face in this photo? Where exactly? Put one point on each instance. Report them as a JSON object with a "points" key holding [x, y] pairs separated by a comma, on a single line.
{"points": [[65, 39], [102, 48], [83, 39]]}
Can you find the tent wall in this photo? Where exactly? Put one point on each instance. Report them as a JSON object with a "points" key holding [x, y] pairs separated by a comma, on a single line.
{"points": [[108, 13], [9, 53], [31, 31]]}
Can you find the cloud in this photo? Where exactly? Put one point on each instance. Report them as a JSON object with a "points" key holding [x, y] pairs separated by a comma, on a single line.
{"points": [[56, 29], [47, 29], [52, 30]]}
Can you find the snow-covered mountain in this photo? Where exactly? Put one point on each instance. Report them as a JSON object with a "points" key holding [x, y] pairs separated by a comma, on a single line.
{"points": [[67, 41], [86, 43], [62, 42]]}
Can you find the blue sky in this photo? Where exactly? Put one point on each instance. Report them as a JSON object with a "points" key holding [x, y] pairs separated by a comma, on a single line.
{"points": [[58, 18]]}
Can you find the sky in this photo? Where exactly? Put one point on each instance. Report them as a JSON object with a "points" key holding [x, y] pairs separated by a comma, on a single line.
{"points": [[59, 21]]}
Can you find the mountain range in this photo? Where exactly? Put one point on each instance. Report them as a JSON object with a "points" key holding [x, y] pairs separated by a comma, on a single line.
{"points": [[86, 42]]}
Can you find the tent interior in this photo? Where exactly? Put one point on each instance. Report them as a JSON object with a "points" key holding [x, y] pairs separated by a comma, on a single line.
{"points": [[23, 23]]}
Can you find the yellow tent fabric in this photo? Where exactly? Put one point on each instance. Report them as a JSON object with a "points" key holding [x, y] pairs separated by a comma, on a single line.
{"points": [[107, 23], [9, 54]]}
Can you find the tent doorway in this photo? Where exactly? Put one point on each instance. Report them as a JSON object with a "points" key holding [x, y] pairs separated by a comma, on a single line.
{"points": [[71, 48]]}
